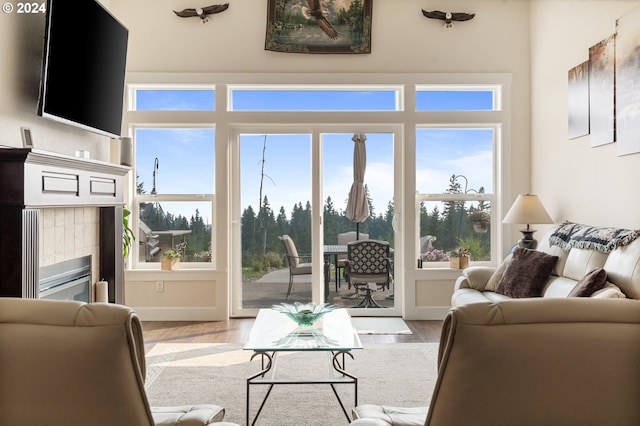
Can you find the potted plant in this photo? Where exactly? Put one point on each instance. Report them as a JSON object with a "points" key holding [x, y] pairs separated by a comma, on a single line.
{"points": [[127, 233], [170, 260], [459, 259], [480, 219]]}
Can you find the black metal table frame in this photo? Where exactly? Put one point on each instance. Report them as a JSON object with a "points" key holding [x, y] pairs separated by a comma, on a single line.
{"points": [[268, 359]]}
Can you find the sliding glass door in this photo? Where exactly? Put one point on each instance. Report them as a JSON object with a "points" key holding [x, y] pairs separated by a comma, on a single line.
{"points": [[275, 204], [342, 167], [291, 192]]}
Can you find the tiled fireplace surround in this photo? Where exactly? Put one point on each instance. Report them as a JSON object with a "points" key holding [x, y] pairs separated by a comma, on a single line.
{"points": [[67, 233], [56, 208]]}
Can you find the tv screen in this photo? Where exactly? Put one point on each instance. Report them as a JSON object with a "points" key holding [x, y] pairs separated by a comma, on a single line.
{"points": [[83, 70]]}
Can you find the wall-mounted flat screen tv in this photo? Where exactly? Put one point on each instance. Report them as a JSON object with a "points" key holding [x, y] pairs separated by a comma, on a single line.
{"points": [[83, 71]]}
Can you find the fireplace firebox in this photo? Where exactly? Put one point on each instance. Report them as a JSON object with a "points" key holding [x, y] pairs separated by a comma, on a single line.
{"points": [[69, 280]]}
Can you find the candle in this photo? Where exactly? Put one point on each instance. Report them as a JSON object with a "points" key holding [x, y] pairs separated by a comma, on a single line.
{"points": [[102, 292]]}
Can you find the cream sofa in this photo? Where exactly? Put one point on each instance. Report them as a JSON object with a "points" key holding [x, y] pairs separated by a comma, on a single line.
{"points": [[550, 360], [622, 266], [71, 363]]}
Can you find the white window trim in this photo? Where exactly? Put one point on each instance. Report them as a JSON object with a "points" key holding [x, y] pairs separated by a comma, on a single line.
{"points": [[407, 118]]}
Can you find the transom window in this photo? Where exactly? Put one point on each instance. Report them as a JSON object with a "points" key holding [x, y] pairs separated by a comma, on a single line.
{"points": [[314, 98], [446, 98], [162, 99]]}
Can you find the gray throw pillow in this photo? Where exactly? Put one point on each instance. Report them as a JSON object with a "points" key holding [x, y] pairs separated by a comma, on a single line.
{"points": [[590, 283], [527, 273]]}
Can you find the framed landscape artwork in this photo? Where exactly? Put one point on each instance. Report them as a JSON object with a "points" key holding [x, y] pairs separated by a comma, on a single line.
{"points": [[579, 101], [602, 92], [628, 83], [319, 26]]}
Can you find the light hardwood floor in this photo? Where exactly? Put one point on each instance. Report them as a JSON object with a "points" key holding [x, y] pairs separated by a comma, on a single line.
{"points": [[236, 330]]}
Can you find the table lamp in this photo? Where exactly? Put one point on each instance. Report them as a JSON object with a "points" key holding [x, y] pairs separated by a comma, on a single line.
{"points": [[527, 209]]}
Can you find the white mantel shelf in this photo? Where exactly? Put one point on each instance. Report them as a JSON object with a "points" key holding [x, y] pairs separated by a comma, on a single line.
{"points": [[33, 178]]}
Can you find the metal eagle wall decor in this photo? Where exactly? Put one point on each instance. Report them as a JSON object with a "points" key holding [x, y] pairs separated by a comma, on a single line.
{"points": [[448, 17], [202, 13]]}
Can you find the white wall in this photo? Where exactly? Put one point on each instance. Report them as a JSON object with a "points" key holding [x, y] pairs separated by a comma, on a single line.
{"points": [[21, 44], [403, 41], [576, 182]]}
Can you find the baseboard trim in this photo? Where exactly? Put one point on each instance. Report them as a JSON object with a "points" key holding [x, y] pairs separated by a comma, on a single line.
{"points": [[429, 313]]}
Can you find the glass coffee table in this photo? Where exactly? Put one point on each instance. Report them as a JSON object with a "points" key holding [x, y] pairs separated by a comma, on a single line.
{"points": [[274, 332]]}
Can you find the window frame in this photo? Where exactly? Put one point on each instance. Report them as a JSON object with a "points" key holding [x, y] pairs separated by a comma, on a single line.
{"points": [[490, 197], [407, 118], [136, 199]]}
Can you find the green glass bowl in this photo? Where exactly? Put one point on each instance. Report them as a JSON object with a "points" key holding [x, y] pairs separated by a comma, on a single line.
{"points": [[304, 314]]}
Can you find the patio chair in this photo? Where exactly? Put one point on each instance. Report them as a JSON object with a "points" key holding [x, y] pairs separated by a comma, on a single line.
{"points": [[368, 266], [341, 259], [296, 267]]}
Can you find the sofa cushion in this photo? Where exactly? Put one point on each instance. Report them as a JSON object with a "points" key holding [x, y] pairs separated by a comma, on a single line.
{"points": [[609, 291], [464, 296], [546, 247], [582, 261], [475, 277], [527, 273], [623, 269], [591, 282], [558, 286], [492, 284]]}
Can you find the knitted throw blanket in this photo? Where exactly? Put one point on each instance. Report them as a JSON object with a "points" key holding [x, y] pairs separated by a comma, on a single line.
{"points": [[599, 238]]}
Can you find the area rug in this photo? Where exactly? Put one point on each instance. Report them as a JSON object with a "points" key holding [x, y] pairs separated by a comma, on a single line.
{"points": [[400, 374], [380, 325]]}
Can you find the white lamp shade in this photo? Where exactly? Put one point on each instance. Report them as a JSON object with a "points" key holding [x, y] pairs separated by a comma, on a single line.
{"points": [[527, 209]]}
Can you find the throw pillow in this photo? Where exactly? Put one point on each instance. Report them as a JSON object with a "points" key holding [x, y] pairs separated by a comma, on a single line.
{"points": [[593, 281], [527, 273], [609, 291], [492, 284]]}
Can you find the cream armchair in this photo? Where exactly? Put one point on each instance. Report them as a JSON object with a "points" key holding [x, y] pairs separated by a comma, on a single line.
{"points": [[70, 363], [545, 361]]}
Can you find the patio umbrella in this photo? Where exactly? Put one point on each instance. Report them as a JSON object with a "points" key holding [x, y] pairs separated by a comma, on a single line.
{"points": [[357, 205]]}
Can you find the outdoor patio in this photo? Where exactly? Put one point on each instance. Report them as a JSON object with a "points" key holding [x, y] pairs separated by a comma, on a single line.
{"points": [[271, 289]]}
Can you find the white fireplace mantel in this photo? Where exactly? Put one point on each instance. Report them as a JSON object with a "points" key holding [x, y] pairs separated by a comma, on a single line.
{"points": [[31, 181], [32, 178]]}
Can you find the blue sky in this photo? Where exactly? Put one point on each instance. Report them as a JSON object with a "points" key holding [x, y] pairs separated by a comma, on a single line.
{"points": [[288, 169], [186, 156]]}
